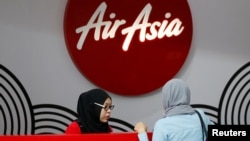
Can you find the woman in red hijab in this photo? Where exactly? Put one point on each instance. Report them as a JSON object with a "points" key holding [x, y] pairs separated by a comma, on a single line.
{"points": [[94, 110]]}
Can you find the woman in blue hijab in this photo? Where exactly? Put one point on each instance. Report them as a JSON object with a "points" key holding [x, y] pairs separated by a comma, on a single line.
{"points": [[180, 121]]}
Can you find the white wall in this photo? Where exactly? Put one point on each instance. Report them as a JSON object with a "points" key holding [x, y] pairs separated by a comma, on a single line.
{"points": [[32, 46]]}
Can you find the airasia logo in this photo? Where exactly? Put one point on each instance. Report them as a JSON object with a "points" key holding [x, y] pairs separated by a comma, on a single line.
{"points": [[126, 47], [166, 28]]}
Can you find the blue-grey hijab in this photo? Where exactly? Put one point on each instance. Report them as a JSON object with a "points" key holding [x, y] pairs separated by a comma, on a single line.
{"points": [[176, 98]]}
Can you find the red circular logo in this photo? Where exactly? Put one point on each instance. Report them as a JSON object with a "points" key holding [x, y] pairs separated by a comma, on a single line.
{"points": [[127, 47]]}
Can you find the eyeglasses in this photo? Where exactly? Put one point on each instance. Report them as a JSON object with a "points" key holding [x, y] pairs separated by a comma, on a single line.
{"points": [[111, 107]]}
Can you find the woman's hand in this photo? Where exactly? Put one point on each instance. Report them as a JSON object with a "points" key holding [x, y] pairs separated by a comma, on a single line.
{"points": [[140, 127]]}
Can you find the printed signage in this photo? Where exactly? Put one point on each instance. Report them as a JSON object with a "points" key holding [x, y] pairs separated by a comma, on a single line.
{"points": [[128, 47]]}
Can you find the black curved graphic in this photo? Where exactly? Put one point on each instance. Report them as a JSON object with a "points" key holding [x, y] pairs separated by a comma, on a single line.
{"points": [[15, 103], [121, 125], [234, 102], [53, 118], [4, 120], [19, 116]]}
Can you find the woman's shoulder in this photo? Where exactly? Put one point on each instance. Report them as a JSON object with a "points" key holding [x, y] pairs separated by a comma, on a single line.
{"points": [[199, 110], [204, 116], [175, 120], [166, 121], [73, 128]]}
